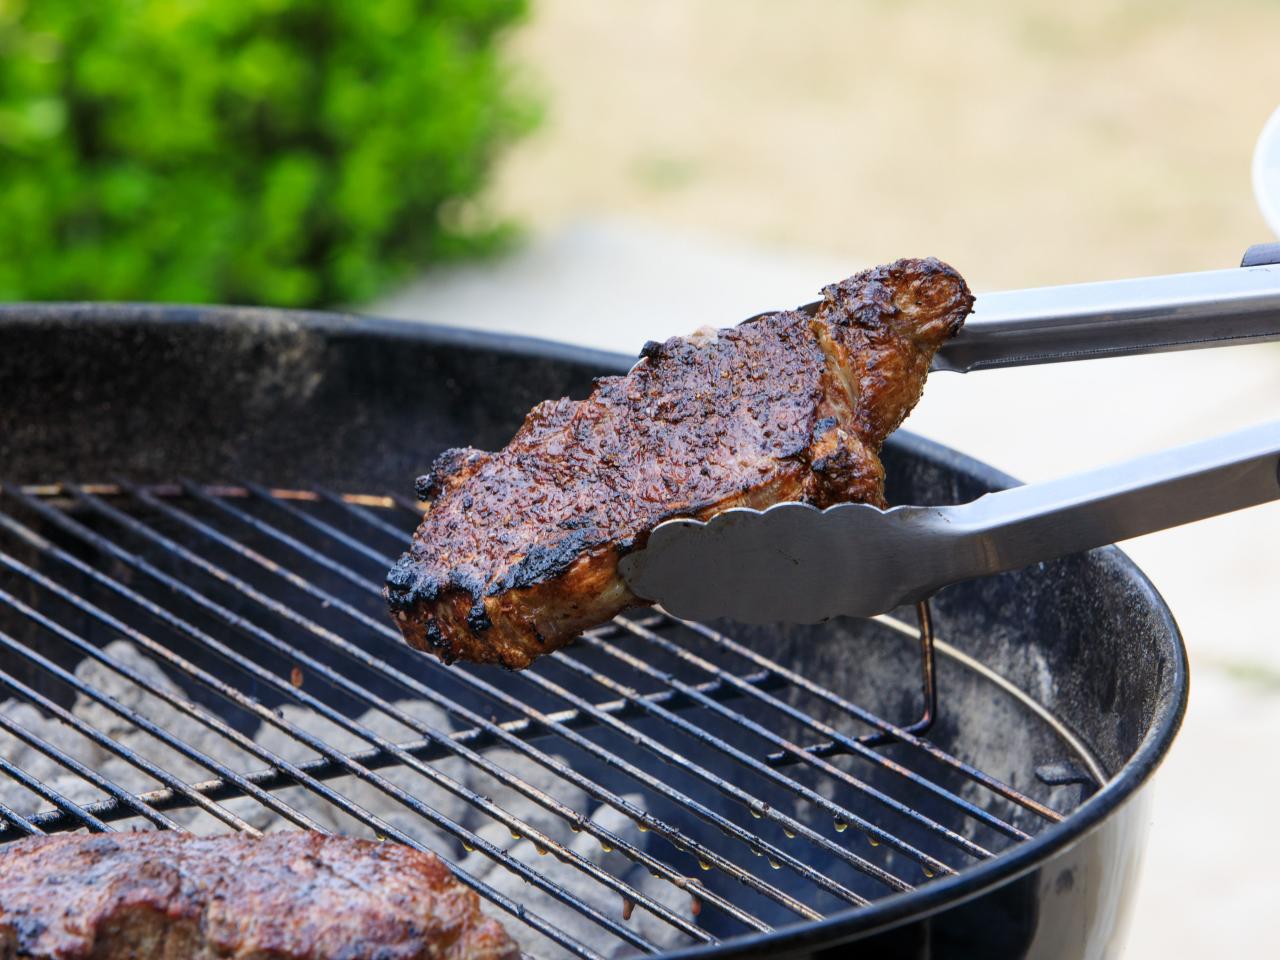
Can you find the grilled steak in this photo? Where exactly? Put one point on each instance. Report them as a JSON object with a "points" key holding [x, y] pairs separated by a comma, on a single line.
{"points": [[518, 550], [287, 896]]}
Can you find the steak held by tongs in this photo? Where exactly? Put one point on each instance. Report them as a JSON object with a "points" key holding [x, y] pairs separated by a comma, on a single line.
{"points": [[518, 551], [290, 896], [795, 562]]}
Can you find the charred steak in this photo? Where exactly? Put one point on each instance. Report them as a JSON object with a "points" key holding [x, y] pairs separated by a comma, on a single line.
{"points": [[288, 896], [518, 551]]}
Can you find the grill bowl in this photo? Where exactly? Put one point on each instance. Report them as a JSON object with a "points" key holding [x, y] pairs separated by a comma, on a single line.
{"points": [[303, 400]]}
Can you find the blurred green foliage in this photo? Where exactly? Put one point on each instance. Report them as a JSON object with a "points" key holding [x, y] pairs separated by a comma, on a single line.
{"points": [[290, 152]]}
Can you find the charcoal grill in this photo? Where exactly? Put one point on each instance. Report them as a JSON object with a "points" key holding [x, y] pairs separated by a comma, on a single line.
{"points": [[192, 637]]}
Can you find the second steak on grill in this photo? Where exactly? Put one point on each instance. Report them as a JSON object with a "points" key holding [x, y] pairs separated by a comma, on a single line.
{"points": [[518, 551], [288, 896]]}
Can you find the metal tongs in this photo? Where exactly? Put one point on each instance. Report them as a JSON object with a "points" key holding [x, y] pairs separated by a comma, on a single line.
{"points": [[794, 562]]}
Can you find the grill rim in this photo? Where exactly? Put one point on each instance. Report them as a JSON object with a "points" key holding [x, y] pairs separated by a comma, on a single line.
{"points": [[884, 913]]}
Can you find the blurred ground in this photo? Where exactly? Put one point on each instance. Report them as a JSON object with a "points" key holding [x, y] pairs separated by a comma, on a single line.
{"points": [[701, 162], [1031, 143]]}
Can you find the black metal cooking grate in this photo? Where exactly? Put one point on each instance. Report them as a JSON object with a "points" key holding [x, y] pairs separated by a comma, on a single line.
{"points": [[207, 658]]}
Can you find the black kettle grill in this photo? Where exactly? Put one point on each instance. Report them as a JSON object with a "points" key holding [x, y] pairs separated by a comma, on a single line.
{"points": [[199, 505]]}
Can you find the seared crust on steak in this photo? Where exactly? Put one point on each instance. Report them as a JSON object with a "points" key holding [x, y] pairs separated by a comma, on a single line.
{"points": [[518, 550], [287, 896]]}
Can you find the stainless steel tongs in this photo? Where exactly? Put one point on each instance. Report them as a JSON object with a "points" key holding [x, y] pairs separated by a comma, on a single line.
{"points": [[794, 562]]}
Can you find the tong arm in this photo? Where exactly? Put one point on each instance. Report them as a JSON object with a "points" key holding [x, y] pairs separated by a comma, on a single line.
{"points": [[796, 563], [1041, 521], [1114, 318], [1118, 318]]}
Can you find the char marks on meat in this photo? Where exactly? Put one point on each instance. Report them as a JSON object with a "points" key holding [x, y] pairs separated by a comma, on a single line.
{"points": [[289, 896], [518, 550]]}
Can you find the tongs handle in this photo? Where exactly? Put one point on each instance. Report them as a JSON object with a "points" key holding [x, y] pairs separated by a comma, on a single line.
{"points": [[1118, 318], [1023, 525]]}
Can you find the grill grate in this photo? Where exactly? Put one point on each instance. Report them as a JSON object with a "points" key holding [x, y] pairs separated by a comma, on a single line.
{"points": [[218, 657]]}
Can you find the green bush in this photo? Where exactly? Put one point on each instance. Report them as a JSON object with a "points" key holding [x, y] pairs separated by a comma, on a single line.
{"points": [[292, 152]]}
